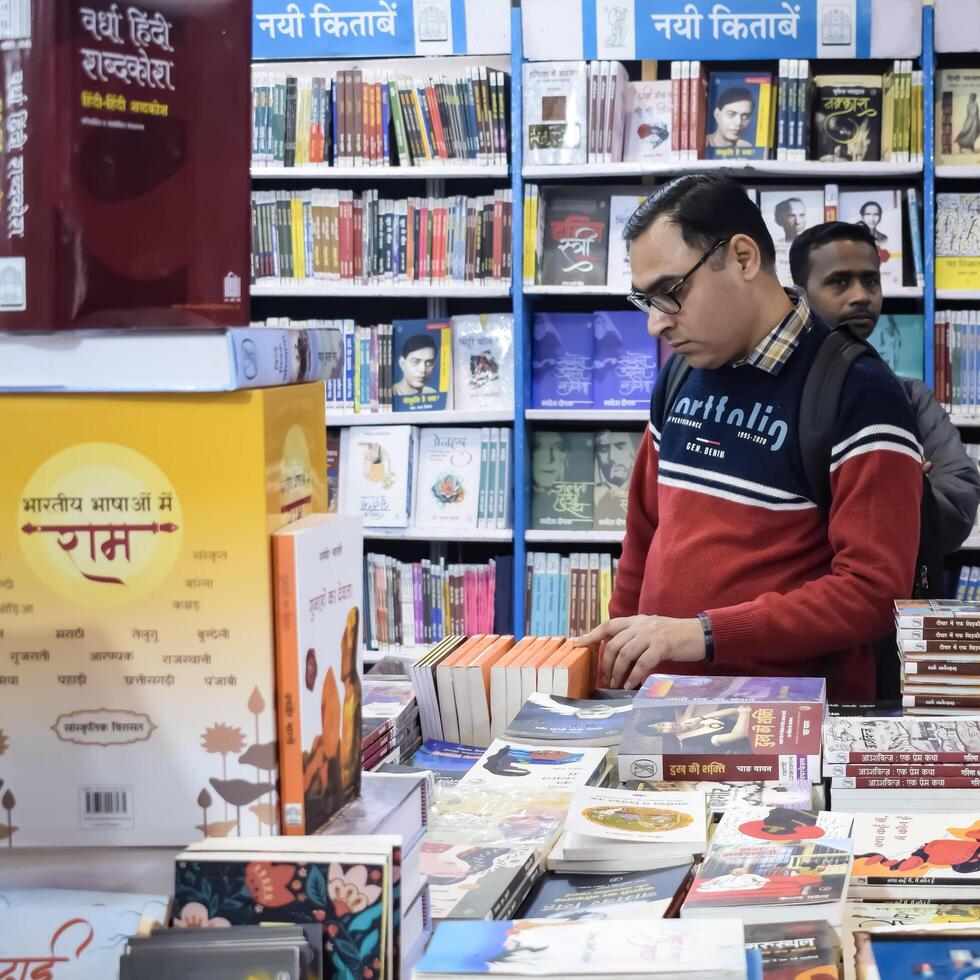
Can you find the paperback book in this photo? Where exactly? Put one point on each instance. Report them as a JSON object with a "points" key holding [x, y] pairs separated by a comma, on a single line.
{"points": [[562, 480], [788, 211], [576, 239], [378, 465], [546, 718], [741, 107], [615, 454], [621, 208], [649, 123], [880, 210], [958, 117], [423, 375], [743, 824], [555, 112], [483, 362], [449, 481], [847, 118], [519, 767], [625, 359], [562, 361]]}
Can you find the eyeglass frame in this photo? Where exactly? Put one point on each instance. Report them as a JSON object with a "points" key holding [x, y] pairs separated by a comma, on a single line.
{"points": [[646, 302]]}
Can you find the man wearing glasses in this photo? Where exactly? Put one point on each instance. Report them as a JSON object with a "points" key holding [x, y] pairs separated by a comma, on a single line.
{"points": [[729, 566]]}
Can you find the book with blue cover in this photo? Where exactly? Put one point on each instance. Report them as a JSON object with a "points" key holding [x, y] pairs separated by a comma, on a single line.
{"points": [[626, 360], [620, 895], [953, 956], [422, 366], [740, 122], [550, 718], [562, 361], [681, 689], [900, 339], [447, 759]]}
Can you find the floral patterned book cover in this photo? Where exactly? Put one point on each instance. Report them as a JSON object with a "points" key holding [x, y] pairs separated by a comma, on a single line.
{"points": [[351, 899], [449, 478]]}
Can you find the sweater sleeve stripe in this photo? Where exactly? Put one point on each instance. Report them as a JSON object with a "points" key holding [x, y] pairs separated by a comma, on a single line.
{"points": [[880, 433], [880, 446]]}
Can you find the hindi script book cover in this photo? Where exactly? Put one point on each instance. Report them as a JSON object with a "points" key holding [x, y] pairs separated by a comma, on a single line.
{"points": [[137, 698]]}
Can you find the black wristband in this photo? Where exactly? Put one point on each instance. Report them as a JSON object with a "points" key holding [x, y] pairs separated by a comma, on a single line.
{"points": [[709, 637]]}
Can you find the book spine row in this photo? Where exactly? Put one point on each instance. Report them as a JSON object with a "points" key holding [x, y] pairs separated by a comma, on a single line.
{"points": [[414, 604], [956, 380], [568, 595], [373, 118], [327, 235]]}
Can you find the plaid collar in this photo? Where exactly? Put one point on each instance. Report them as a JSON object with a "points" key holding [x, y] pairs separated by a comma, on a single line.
{"points": [[778, 345]]}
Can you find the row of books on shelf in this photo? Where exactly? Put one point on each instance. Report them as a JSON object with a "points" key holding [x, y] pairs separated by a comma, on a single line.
{"points": [[329, 235], [379, 118], [568, 595], [580, 480], [574, 235], [464, 363], [438, 479], [419, 603], [590, 112], [956, 361]]}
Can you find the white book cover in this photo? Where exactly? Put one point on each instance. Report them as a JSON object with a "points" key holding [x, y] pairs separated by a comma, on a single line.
{"points": [[918, 849], [938, 737], [880, 209], [743, 824], [377, 466], [648, 123], [788, 211], [555, 112], [449, 478], [483, 361], [638, 817], [535, 768], [621, 208]]}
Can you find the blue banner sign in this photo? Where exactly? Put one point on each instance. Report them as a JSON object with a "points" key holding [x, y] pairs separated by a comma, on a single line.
{"points": [[342, 29]]}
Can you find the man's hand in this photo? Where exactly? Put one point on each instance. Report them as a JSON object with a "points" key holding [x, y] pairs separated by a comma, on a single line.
{"points": [[926, 466], [637, 645]]}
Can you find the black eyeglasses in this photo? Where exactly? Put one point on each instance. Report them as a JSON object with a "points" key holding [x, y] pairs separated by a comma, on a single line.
{"points": [[667, 301]]}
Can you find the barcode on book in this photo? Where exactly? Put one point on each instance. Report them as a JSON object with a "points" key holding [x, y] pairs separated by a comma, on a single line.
{"points": [[15, 20], [107, 806]]}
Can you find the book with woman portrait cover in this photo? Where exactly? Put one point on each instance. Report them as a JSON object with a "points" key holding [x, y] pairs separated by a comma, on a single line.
{"points": [[318, 588]]}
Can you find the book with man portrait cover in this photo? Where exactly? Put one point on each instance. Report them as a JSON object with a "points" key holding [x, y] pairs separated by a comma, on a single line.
{"points": [[126, 133], [562, 480], [422, 363], [136, 611], [741, 116]]}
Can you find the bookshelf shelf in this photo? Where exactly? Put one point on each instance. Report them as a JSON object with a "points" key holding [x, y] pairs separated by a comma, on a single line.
{"points": [[957, 173], [767, 168], [587, 415], [969, 294], [436, 534], [574, 537], [891, 292], [328, 290], [435, 172], [343, 420]]}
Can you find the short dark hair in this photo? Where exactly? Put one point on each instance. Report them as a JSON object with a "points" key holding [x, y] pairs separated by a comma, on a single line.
{"points": [[707, 208], [819, 235], [418, 341], [870, 204], [735, 94], [782, 208]]}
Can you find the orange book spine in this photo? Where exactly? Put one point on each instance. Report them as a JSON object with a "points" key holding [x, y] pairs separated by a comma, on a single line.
{"points": [[291, 790]]}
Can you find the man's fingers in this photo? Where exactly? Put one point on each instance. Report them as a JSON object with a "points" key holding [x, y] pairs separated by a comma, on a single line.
{"points": [[593, 637], [611, 652], [626, 653], [645, 665]]}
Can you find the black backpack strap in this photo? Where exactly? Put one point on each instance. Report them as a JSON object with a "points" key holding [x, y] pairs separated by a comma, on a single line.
{"points": [[820, 406], [677, 371]]}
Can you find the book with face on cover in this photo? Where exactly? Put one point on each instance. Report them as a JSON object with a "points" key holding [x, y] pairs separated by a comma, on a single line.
{"points": [[615, 455], [742, 824], [522, 768], [880, 209], [549, 948], [648, 123], [740, 116], [423, 366], [788, 211], [562, 480]]}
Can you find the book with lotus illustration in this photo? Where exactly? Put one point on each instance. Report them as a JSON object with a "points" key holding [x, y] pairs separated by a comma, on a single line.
{"points": [[318, 586], [137, 675], [449, 478]]}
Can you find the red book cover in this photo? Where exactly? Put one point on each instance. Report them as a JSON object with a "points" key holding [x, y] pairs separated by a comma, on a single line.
{"points": [[437, 130], [498, 239], [346, 230], [357, 239], [127, 129]]}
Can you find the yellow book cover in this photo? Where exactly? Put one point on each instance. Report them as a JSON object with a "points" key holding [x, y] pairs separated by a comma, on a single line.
{"points": [[137, 696], [958, 241]]}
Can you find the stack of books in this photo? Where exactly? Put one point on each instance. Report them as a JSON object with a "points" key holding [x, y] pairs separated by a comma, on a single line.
{"points": [[903, 765], [390, 726], [612, 830], [326, 236], [365, 118], [775, 113], [568, 595], [440, 479], [774, 865], [729, 729], [469, 690], [939, 647]]}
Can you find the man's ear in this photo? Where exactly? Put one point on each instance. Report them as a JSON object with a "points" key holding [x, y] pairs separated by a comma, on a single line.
{"points": [[747, 255]]}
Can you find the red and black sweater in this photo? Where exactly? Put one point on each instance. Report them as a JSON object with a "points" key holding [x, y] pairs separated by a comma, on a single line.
{"points": [[721, 520]]}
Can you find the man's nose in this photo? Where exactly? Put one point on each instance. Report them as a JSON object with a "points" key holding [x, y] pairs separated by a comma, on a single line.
{"points": [[858, 296], [658, 322]]}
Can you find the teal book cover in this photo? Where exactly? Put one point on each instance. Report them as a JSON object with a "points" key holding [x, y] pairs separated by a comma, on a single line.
{"points": [[562, 480]]}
